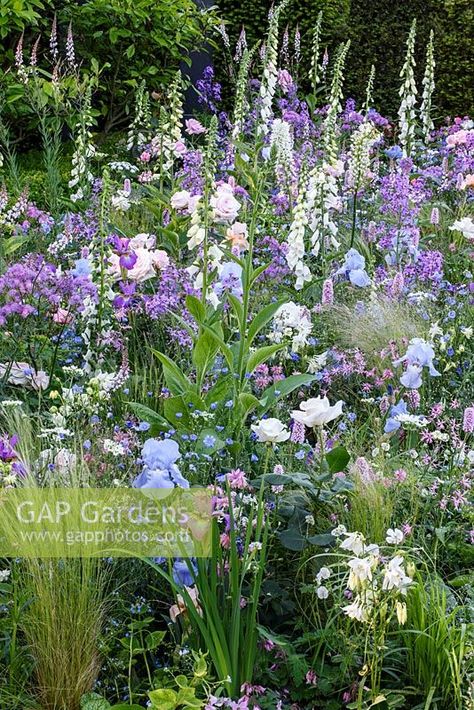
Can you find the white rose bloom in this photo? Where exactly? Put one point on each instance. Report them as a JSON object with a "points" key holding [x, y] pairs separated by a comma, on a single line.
{"points": [[270, 430], [464, 225], [317, 412], [394, 536], [180, 200]]}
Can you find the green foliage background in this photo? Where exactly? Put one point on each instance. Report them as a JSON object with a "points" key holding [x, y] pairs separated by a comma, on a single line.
{"points": [[120, 41], [378, 30]]}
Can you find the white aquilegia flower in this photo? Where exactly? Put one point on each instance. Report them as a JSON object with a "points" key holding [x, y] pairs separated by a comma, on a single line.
{"points": [[395, 576], [271, 431], [394, 536], [361, 572], [317, 412], [354, 542], [401, 609], [464, 225], [356, 610]]}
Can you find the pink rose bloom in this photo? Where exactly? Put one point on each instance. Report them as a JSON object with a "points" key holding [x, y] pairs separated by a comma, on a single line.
{"points": [[458, 138], [180, 200], [143, 269], [179, 149], [62, 316], [160, 259], [285, 80], [226, 207], [194, 127], [192, 203], [142, 240]]}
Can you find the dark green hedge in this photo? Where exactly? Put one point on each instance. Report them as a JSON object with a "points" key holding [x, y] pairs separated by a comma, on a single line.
{"points": [[378, 30]]}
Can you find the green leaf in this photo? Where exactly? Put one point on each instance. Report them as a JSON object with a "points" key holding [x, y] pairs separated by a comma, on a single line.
{"points": [[326, 540], [337, 459], [249, 402], [292, 539], [237, 308], [261, 319], [284, 387], [262, 355], [196, 308], [93, 701], [154, 639], [256, 272], [204, 355], [148, 415], [176, 381], [163, 699]]}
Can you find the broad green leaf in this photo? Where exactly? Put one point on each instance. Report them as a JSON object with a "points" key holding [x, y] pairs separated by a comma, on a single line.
{"points": [[196, 308], [262, 355], [154, 639], [261, 319], [249, 402], [148, 415], [337, 459], [204, 354], [284, 387], [93, 701], [163, 699], [176, 381]]}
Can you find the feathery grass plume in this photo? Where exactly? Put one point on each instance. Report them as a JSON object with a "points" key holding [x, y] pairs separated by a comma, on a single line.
{"points": [[335, 105], [63, 618], [371, 503], [436, 641], [428, 90], [84, 149], [314, 71], [369, 90], [373, 325], [141, 124], [241, 104], [270, 70], [408, 93]]}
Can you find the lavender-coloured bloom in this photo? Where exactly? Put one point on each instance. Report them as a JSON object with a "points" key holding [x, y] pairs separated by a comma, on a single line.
{"points": [[411, 378], [230, 280], [420, 353], [160, 470], [182, 575], [394, 153], [82, 268], [353, 268], [392, 424]]}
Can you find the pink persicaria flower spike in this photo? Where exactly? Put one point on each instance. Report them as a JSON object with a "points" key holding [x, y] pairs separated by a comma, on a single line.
{"points": [[327, 298], [468, 420]]}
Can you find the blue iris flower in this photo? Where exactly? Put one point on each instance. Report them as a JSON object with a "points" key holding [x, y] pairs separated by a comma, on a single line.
{"points": [[420, 353], [353, 268], [159, 469], [182, 575], [392, 424]]}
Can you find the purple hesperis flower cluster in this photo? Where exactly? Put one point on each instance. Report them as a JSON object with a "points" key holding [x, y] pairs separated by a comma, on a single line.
{"points": [[35, 287]]}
